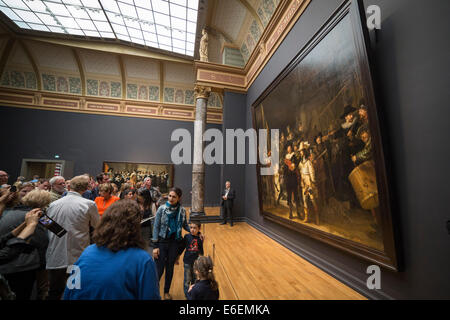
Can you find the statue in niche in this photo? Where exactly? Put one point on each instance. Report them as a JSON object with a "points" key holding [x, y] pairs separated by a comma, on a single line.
{"points": [[203, 50]]}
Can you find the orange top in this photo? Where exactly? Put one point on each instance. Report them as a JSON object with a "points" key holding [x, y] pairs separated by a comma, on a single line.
{"points": [[102, 205]]}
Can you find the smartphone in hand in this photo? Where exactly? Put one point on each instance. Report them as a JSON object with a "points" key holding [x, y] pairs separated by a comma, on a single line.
{"points": [[51, 225]]}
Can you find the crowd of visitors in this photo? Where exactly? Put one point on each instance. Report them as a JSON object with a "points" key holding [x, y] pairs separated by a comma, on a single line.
{"points": [[119, 241]]}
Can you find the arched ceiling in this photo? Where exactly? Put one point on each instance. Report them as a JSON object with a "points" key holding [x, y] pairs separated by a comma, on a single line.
{"points": [[237, 26]]}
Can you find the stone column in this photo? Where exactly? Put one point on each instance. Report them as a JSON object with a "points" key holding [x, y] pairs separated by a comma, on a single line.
{"points": [[198, 166]]}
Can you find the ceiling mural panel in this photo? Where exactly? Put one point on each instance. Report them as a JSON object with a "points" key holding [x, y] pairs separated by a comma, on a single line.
{"points": [[179, 73], [19, 72], [18, 57], [229, 16], [19, 79], [53, 57], [141, 68], [100, 63]]}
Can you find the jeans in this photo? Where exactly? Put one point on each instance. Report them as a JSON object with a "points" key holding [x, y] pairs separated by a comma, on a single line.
{"points": [[188, 277]]}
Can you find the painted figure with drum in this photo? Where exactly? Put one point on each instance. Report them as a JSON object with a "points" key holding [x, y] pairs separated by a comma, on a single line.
{"points": [[327, 179]]}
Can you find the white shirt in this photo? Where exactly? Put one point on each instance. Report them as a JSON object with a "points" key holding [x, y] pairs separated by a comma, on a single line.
{"points": [[75, 214]]}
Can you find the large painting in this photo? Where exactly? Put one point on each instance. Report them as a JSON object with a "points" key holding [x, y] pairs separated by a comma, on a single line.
{"points": [[330, 181], [121, 172]]}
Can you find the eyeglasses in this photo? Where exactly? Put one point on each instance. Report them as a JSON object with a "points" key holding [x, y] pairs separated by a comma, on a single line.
{"points": [[4, 175]]}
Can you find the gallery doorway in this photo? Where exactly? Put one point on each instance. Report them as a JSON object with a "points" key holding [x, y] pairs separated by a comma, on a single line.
{"points": [[45, 168]]}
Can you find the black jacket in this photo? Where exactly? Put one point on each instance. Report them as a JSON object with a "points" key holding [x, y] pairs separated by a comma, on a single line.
{"points": [[11, 247], [32, 257], [202, 291], [194, 248], [230, 197]]}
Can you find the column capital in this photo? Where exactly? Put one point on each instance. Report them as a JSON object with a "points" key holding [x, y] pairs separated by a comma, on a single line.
{"points": [[202, 92]]}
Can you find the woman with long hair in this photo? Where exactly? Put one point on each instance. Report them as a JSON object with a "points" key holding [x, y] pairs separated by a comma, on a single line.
{"points": [[167, 240], [116, 266], [133, 179], [145, 203]]}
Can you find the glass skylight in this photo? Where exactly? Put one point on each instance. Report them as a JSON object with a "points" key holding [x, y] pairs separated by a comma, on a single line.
{"points": [[165, 24]]}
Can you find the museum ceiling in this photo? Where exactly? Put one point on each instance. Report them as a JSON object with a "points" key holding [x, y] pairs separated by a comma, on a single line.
{"points": [[171, 27], [83, 73]]}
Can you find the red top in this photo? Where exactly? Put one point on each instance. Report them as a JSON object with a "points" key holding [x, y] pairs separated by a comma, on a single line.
{"points": [[102, 205]]}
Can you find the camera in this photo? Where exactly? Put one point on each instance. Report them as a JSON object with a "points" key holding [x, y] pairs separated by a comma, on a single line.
{"points": [[13, 189]]}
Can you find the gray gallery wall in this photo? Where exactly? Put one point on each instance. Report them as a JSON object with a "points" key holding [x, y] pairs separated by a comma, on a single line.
{"points": [[88, 140], [411, 61], [234, 118]]}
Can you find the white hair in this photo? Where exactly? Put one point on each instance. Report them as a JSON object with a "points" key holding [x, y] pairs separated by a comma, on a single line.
{"points": [[54, 179]]}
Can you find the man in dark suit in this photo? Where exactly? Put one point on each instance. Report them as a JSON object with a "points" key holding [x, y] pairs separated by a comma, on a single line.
{"points": [[227, 203]]}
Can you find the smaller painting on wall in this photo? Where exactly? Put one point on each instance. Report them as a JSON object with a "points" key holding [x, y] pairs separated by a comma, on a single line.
{"points": [[131, 172]]}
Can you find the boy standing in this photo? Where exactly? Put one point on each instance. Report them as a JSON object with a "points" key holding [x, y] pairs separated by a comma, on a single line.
{"points": [[194, 248]]}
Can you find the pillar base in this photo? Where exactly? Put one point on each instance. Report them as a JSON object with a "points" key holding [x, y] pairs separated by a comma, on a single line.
{"points": [[196, 215]]}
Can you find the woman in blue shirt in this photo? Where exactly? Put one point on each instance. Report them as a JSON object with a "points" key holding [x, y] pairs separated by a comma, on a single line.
{"points": [[116, 266], [167, 239]]}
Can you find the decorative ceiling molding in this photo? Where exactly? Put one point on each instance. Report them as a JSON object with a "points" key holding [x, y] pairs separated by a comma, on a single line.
{"points": [[282, 21], [104, 106], [240, 79], [220, 76]]}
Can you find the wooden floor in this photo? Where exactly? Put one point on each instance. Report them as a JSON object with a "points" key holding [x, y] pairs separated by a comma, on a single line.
{"points": [[251, 266]]}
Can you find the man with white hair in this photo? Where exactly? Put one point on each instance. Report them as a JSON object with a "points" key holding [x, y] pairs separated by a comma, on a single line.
{"points": [[77, 216], [58, 185]]}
